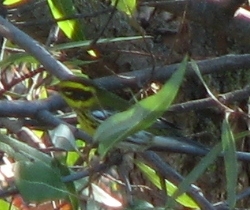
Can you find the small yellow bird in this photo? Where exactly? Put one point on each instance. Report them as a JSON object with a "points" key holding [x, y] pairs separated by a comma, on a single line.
{"points": [[84, 96]]}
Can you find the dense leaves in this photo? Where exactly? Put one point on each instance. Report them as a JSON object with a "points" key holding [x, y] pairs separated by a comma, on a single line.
{"points": [[131, 52]]}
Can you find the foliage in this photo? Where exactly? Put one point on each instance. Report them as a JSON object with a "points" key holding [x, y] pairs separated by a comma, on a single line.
{"points": [[139, 117], [65, 8], [47, 158]]}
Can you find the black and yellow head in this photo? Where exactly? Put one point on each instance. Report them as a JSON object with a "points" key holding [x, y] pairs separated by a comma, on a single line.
{"points": [[79, 93], [82, 93]]}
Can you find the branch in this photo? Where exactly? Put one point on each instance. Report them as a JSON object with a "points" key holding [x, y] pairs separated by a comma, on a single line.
{"points": [[31, 46], [206, 103], [136, 79], [130, 79]]}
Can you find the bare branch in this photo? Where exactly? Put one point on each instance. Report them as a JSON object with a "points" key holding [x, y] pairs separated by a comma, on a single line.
{"points": [[162, 73]]}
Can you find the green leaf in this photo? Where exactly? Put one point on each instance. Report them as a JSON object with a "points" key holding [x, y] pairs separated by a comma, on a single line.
{"points": [[184, 199], [228, 147], [85, 44], [230, 159], [39, 182], [198, 170], [127, 6], [208, 159], [140, 116], [7, 206], [32, 176], [22, 151], [65, 8], [17, 59], [71, 190], [10, 2]]}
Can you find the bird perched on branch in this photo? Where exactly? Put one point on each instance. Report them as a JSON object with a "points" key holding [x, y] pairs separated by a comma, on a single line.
{"points": [[84, 96]]}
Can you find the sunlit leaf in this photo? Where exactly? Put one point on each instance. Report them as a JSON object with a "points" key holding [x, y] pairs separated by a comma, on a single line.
{"points": [[73, 156], [10, 2], [184, 199], [127, 6], [92, 53], [140, 116], [85, 44], [62, 9], [5, 205]]}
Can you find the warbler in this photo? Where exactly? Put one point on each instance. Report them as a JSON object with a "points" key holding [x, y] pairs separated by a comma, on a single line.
{"points": [[84, 96]]}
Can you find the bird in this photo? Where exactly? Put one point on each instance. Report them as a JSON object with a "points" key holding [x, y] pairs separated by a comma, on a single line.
{"points": [[89, 101], [84, 96]]}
